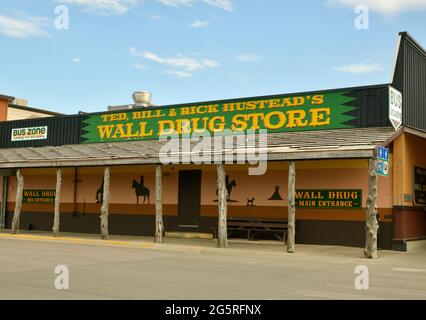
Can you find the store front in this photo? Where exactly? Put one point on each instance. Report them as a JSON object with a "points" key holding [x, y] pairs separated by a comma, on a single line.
{"points": [[322, 167], [330, 199]]}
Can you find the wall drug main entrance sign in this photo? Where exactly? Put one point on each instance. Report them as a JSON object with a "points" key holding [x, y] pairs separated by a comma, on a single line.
{"points": [[276, 114], [329, 199]]}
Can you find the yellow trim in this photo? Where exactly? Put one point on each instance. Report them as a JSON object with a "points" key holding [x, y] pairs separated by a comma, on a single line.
{"points": [[142, 244]]}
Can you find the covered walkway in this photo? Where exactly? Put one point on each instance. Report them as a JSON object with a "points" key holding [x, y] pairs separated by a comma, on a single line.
{"points": [[291, 147]]}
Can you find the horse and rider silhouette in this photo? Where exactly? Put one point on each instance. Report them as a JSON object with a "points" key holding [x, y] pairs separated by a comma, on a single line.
{"points": [[141, 190], [229, 186]]}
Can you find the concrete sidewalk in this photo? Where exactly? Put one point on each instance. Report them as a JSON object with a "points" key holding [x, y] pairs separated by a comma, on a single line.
{"points": [[263, 247]]}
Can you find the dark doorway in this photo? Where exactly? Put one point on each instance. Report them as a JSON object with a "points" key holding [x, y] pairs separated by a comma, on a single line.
{"points": [[189, 198]]}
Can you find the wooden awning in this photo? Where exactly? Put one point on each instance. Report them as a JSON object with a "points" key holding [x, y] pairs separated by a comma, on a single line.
{"points": [[322, 144]]}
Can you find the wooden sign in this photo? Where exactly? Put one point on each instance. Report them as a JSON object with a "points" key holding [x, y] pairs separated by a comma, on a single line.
{"points": [[284, 113], [39, 196], [329, 199], [395, 107]]}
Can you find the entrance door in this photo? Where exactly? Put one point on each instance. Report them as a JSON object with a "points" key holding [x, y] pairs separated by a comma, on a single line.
{"points": [[189, 198]]}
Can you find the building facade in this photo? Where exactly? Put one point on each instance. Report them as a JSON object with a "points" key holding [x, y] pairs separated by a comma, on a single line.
{"points": [[331, 136]]}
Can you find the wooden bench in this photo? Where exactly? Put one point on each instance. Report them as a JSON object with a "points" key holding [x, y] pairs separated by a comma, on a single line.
{"points": [[278, 228]]}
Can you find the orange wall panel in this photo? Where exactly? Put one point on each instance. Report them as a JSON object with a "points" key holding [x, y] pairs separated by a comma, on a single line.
{"points": [[123, 199], [3, 109], [409, 151]]}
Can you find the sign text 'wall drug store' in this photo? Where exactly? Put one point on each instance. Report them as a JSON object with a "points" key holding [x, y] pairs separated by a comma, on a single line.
{"points": [[276, 114]]}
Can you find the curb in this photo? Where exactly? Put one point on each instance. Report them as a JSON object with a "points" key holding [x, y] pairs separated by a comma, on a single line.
{"points": [[75, 240], [139, 245]]}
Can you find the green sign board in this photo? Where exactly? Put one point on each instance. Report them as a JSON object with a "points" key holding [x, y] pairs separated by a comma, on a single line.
{"points": [[39, 196], [276, 114], [328, 199]]}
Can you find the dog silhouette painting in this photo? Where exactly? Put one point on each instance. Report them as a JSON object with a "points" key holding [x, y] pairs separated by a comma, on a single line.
{"points": [[250, 201], [141, 190]]}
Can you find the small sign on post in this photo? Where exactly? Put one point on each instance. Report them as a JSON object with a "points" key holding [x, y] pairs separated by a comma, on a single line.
{"points": [[383, 161]]}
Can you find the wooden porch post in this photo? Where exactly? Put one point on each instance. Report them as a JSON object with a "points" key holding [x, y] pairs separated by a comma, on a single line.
{"points": [[56, 219], [18, 203], [291, 207], [371, 213], [159, 226], [105, 205], [222, 238], [4, 202]]}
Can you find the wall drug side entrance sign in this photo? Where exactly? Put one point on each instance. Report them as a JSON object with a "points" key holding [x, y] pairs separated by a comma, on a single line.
{"points": [[284, 113], [39, 196]]}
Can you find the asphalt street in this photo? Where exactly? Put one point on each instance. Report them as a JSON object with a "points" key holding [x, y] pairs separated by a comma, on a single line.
{"points": [[195, 269]]}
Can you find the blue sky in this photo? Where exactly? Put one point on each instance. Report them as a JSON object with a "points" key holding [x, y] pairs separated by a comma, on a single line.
{"points": [[195, 50]]}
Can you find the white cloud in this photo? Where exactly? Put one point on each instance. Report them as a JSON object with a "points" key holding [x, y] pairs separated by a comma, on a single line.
{"points": [[247, 57], [23, 27], [197, 24], [179, 74], [359, 68], [76, 60], [384, 7], [104, 7], [180, 61], [210, 63], [155, 17], [140, 66], [134, 52], [226, 5], [177, 3], [182, 66]]}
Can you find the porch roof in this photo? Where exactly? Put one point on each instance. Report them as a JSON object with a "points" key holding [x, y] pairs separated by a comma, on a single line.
{"points": [[322, 144]]}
